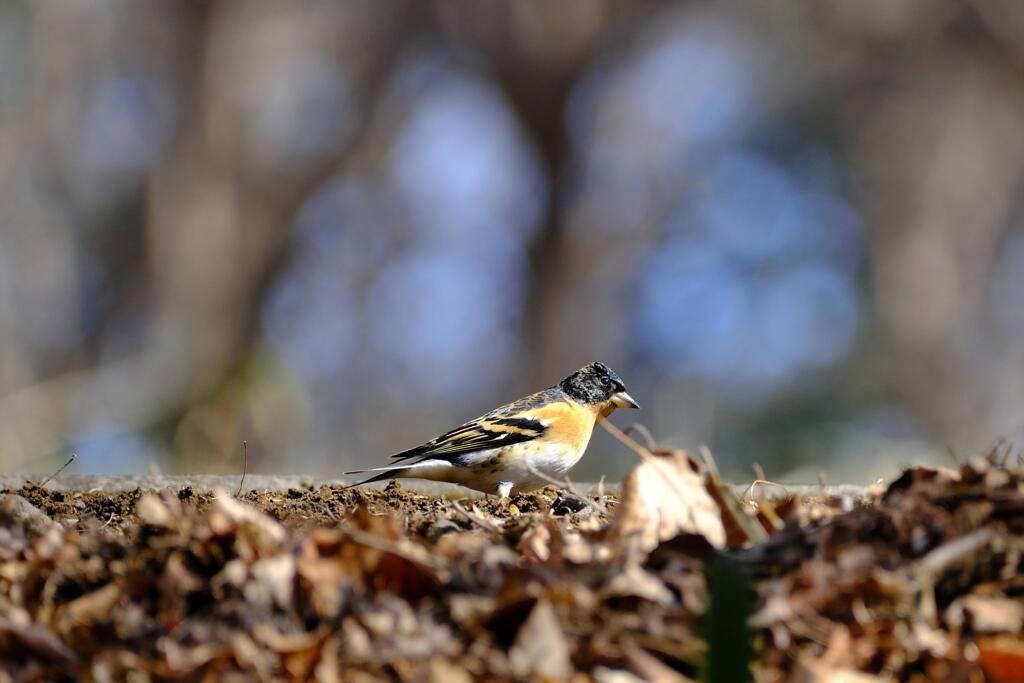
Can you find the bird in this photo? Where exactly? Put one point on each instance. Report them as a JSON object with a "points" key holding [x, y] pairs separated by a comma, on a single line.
{"points": [[520, 446]]}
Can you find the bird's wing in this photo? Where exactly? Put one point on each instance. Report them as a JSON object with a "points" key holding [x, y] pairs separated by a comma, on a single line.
{"points": [[507, 425]]}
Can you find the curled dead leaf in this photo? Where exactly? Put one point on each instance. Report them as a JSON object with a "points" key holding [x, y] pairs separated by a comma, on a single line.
{"points": [[662, 498], [540, 650], [228, 511], [273, 577], [443, 671], [535, 543], [1002, 658], [180, 660], [35, 639], [651, 668], [328, 669], [93, 607], [153, 511], [323, 574], [634, 582], [986, 614], [15, 508], [818, 672]]}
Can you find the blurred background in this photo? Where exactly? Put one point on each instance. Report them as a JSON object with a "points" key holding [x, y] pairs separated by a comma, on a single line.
{"points": [[336, 229]]}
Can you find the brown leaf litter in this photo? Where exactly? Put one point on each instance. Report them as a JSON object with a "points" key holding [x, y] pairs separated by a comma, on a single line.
{"points": [[921, 583]]}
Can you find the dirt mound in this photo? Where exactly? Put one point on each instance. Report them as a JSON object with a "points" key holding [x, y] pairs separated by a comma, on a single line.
{"points": [[922, 582], [307, 507]]}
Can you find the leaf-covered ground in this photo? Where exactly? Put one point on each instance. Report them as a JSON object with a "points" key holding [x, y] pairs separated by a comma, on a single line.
{"points": [[920, 582]]}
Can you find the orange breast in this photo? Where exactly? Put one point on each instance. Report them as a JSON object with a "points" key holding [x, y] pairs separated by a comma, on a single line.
{"points": [[571, 424]]}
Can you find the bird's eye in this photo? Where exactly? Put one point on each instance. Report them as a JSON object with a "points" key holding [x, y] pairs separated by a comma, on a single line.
{"points": [[605, 381]]}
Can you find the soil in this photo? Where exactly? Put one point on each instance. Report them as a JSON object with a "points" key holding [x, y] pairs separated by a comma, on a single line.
{"points": [[323, 506]]}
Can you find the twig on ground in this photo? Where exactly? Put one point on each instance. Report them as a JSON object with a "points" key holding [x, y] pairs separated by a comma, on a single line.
{"points": [[932, 566], [644, 432], [475, 518], [760, 478], [628, 442], [74, 456], [764, 482], [245, 466], [946, 555]]}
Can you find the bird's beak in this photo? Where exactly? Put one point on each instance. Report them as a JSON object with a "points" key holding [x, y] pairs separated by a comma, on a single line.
{"points": [[621, 399]]}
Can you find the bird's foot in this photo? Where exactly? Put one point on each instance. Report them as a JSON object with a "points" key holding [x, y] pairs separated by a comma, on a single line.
{"points": [[504, 489]]}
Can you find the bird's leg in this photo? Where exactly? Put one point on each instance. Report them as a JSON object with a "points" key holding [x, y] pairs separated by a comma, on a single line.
{"points": [[504, 489]]}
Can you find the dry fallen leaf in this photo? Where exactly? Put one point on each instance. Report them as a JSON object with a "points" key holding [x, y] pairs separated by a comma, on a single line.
{"points": [[28, 638], [1002, 658], [92, 607], [443, 671], [662, 498], [634, 582], [228, 512], [178, 585], [153, 511], [986, 614], [327, 669], [323, 575], [652, 669], [273, 577], [540, 650], [17, 509], [535, 544], [818, 672]]}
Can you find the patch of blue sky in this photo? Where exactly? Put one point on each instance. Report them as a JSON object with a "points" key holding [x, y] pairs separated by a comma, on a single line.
{"points": [[112, 449], [809, 315], [446, 228], [445, 324], [127, 122], [690, 88], [464, 167], [755, 282], [695, 309], [311, 314]]}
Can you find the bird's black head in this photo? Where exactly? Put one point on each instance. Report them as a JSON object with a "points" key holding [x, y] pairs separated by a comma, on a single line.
{"points": [[597, 383]]}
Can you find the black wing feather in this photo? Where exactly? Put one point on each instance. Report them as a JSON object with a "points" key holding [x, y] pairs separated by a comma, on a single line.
{"points": [[501, 427]]}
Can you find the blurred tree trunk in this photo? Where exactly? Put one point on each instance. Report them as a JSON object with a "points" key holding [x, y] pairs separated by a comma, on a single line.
{"points": [[539, 50]]}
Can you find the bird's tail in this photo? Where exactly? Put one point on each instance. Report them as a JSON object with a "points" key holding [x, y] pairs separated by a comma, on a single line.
{"points": [[383, 474]]}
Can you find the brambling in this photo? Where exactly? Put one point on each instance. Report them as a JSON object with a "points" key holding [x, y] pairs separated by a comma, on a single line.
{"points": [[519, 446]]}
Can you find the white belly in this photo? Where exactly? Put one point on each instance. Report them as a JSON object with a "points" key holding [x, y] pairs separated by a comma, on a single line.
{"points": [[526, 466], [551, 461]]}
